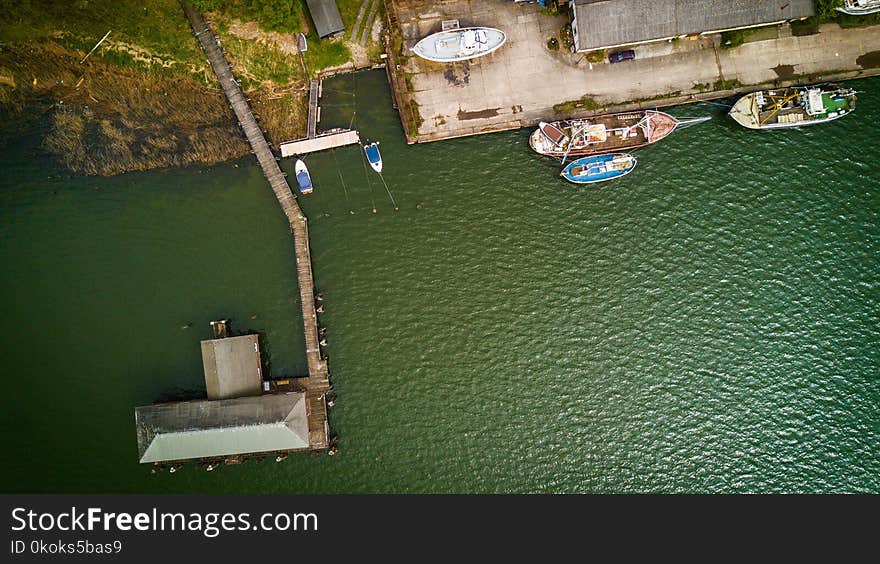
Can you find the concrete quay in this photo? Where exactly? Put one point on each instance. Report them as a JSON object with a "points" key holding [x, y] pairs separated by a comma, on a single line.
{"points": [[519, 85]]}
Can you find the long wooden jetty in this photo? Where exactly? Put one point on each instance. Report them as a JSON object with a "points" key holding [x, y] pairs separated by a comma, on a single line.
{"points": [[317, 383], [314, 96]]}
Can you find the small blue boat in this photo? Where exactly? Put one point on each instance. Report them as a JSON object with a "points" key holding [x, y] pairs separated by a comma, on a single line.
{"points": [[302, 177], [600, 168], [373, 156]]}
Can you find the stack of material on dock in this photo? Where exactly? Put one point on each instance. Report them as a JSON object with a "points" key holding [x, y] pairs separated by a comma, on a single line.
{"points": [[210, 429], [325, 14]]}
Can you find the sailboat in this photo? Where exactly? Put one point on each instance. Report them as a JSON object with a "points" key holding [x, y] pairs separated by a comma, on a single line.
{"points": [[373, 156], [302, 177]]}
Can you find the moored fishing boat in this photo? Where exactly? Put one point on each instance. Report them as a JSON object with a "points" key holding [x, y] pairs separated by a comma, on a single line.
{"points": [[459, 44], [373, 156], [599, 168], [793, 107], [859, 7], [302, 177], [603, 134]]}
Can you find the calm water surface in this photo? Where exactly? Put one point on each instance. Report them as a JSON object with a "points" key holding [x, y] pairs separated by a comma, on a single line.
{"points": [[710, 323]]}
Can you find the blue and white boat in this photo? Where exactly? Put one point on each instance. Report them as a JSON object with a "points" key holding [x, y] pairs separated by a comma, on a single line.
{"points": [[302, 177], [373, 156], [600, 168]]}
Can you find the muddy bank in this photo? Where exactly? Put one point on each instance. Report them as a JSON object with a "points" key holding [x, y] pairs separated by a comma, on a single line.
{"points": [[105, 119]]}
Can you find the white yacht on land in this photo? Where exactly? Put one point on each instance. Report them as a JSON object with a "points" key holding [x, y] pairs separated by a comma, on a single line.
{"points": [[860, 7], [459, 44]]}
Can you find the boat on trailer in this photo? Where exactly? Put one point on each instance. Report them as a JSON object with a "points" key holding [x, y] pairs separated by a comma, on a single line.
{"points": [[599, 168], [793, 107], [459, 44], [302, 177], [602, 134], [859, 7], [373, 156]]}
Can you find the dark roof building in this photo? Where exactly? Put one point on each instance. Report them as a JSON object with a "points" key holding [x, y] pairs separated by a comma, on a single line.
{"points": [[238, 417], [601, 24], [325, 14], [232, 367]]}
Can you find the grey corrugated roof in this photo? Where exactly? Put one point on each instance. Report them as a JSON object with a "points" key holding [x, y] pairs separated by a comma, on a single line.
{"points": [[207, 429], [605, 23], [232, 367], [326, 16]]}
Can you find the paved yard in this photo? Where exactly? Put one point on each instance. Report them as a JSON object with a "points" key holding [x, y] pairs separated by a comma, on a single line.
{"points": [[519, 84]]}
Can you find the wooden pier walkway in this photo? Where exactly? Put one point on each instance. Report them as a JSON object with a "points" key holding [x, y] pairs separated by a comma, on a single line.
{"points": [[314, 96], [317, 384]]}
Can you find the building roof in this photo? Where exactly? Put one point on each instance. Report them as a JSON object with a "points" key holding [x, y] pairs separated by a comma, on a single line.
{"points": [[611, 23], [326, 16], [208, 429], [232, 367]]}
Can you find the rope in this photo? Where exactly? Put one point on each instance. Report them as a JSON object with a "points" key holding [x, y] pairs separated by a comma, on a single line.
{"points": [[339, 172], [389, 193]]}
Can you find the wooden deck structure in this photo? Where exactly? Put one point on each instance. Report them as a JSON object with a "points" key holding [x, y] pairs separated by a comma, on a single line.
{"points": [[329, 140], [314, 96], [317, 383]]}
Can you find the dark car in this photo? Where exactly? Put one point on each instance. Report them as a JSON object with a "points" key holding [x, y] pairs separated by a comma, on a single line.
{"points": [[627, 55]]}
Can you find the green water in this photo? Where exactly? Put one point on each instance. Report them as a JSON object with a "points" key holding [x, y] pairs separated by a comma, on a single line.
{"points": [[708, 323]]}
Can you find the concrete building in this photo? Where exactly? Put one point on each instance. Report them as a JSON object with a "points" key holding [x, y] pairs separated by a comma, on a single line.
{"points": [[325, 14], [605, 24]]}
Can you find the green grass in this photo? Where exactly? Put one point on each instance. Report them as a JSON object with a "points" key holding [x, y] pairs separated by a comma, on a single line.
{"points": [[726, 84], [158, 25], [596, 56], [585, 103]]}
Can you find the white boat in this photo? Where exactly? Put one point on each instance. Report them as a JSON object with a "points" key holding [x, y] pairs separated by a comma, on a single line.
{"points": [[373, 156], [459, 44], [859, 7], [302, 177], [795, 106]]}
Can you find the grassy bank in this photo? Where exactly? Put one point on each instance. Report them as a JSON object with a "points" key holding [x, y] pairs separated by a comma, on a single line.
{"points": [[147, 98]]}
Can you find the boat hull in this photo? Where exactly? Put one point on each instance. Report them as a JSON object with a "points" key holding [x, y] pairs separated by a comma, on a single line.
{"points": [[303, 179], [460, 44], [373, 156], [863, 9], [599, 168], [784, 108], [604, 134]]}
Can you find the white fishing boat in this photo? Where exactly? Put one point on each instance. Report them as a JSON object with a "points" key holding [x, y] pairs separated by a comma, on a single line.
{"points": [[793, 107], [459, 44], [859, 7], [303, 179]]}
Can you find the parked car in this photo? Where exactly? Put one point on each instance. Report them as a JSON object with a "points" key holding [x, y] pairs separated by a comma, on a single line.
{"points": [[620, 56]]}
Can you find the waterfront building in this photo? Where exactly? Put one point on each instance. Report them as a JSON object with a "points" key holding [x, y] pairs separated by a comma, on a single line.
{"points": [[242, 414], [606, 24]]}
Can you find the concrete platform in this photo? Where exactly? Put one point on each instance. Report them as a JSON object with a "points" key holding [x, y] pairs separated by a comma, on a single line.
{"points": [[519, 84]]}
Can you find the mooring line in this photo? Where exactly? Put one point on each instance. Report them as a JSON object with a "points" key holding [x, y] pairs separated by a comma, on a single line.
{"points": [[339, 172], [389, 192]]}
